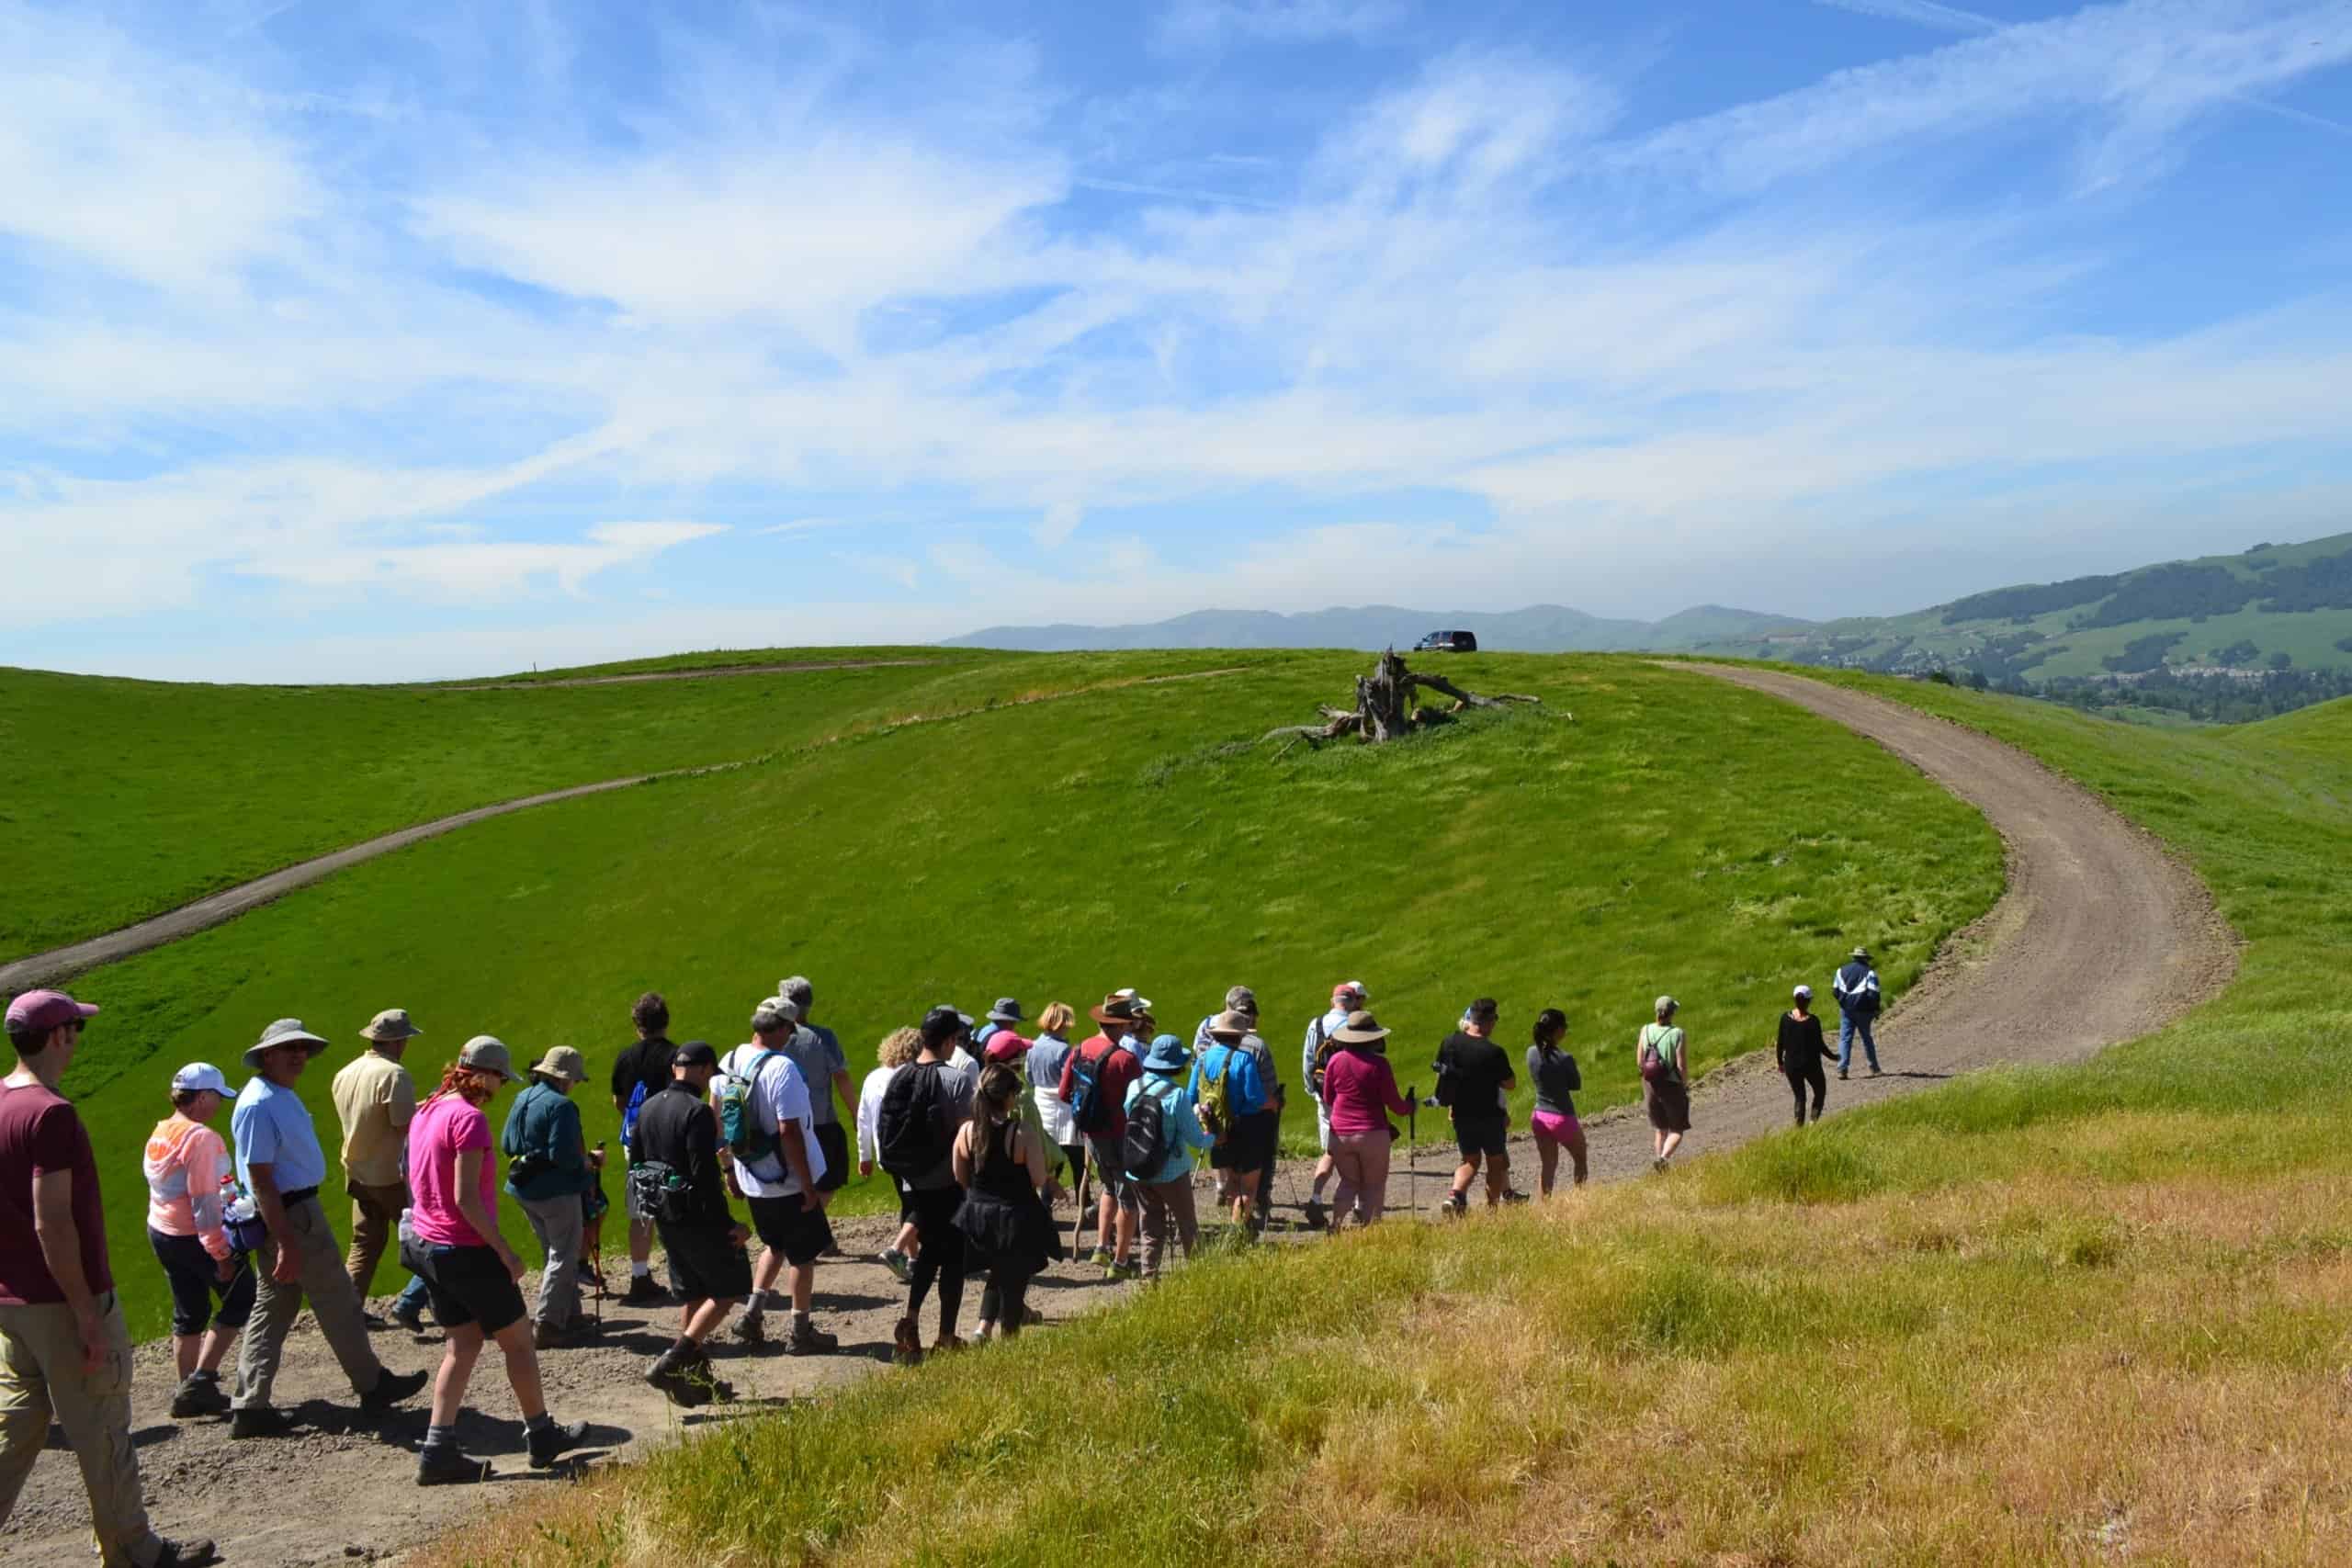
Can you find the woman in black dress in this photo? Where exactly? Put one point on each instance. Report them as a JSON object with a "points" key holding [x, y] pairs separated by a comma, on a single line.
{"points": [[1801, 1051], [1001, 1162]]}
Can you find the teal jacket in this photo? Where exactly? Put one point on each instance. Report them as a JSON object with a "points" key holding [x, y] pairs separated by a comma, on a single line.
{"points": [[543, 1139], [1183, 1122]]}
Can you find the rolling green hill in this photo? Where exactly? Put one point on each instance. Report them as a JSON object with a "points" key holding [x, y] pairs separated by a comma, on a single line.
{"points": [[1124, 830]]}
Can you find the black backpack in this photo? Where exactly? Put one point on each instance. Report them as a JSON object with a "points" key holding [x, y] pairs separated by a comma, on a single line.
{"points": [[1145, 1148], [910, 1130]]}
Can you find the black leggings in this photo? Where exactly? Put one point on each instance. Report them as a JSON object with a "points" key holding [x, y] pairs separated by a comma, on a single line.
{"points": [[1820, 1083], [941, 1256], [1005, 1300]]}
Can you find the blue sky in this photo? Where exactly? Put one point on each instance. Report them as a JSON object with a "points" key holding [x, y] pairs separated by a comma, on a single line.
{"points": [[354, 340]]}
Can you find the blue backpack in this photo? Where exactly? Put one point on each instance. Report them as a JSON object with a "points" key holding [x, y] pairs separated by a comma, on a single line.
{"points": [[1089, 1109], [629, 1117]]}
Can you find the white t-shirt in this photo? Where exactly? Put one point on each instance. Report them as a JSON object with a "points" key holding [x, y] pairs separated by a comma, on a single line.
{"points": [[869, 1111], [779, 1094]]}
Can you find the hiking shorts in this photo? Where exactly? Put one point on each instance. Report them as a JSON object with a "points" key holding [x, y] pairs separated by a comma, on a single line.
{"points": [[195, 1280], [706, 1264], [836, 1143], [793, 1227], [1486, 1135], [1111, 1171], [1250, 1145], [471, 1285]]}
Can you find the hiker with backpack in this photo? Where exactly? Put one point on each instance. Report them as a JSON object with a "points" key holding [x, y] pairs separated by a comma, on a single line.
{"points": [[1473, 1081], [1261, 1131], [817, 1052], [1229, 1093], [190, 1182], [1163, 1132], [1006, 1228], [1360, 1094], [1554, 1121], [898, 1048], [1856, 990], [1047, 1055], [1002, 1042], [471, 1274], [767, 1141], [926, 1105], [641, 1071], [1096, 1078], [1800, 1049], [549, 1174], [678, 1180], [1346, 997], [1660, 1053]]}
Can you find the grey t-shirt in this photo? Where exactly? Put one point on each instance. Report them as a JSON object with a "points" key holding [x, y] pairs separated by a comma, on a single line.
{"points": [[817, 1052], [956, 1087]]}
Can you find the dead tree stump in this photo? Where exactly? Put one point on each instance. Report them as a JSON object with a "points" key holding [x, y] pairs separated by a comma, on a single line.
{"points": [[1384, 707]]}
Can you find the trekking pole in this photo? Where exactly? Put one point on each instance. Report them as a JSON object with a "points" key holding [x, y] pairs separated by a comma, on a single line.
{"points": [[1078, 1221], [1413, 1147]]}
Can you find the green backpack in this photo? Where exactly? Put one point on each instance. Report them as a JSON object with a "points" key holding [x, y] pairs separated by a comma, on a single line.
{"points": [[744, 1137]]}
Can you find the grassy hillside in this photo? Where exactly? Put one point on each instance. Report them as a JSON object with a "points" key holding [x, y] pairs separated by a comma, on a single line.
{"points": [[1678, 835], [2081, 1315]]}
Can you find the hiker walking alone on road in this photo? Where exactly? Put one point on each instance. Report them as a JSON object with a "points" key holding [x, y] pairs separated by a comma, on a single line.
{"points": [[771, 1149], [1359, 1095], [1046, 1055], [473, 1275], [1167, 1189], [549, 1176], [817, 1052], [189, 1186], [1232, 1098], [65, 1349], [1554, 1121], [1001, 1163], [1855, 987], [279, 1158], [1094, 1086], [926, 1105], [898, 1048], [1800, 1050], [1474, 1080], [677, 1181], [1659, 1052], [1346, 997], [374, 1098], [640, 1072]]}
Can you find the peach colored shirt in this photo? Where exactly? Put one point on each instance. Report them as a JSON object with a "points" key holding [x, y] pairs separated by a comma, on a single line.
{"points": [[188, 1170]]}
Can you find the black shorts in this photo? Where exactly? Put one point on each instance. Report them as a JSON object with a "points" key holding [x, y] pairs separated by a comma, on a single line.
{"points": [[1111, 1172], [1484, 1136], [471, 1285], [706, 1263], [836, 1143], [1251, 1145], [195, 1280], [792, 1226]]}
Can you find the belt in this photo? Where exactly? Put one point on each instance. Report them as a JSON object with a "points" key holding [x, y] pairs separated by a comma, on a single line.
{"points": [[289, 1199]]}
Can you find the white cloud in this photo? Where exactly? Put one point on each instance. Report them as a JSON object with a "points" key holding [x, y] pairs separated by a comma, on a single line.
{"points": [[1194, 26]]}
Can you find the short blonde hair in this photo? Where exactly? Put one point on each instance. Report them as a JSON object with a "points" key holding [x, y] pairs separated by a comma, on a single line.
{"points": [[1057, 1017], [898, 1047]]}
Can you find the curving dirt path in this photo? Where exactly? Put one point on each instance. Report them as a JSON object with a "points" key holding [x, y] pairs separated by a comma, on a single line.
{"points": [[2099, 937]]}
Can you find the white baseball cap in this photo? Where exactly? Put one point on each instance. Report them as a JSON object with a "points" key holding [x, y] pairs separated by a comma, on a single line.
{"points": [[198, 1076]]}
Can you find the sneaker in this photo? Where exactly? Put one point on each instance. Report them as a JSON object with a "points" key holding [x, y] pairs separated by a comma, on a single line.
{"points": [[906, 1347], [556, 1439], [390, 1389], [1513, 1195], [199, 1395], [671, 1373], [260, 1421], [1124, 1271], [1874, 1072], [1841, 1075], [1659, 1165], [1031, 1317], [1101, 1258], [807, 1339], [947, 1345], [643, 1292], [372, 1323], [185, 1553], [898, 1262], [449, 1465], [751, 1328], [1318, 1216], [1456, 1205], [409, 1315]]}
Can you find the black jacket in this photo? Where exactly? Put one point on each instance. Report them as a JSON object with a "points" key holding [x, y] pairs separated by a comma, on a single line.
{"points": [[1801, 1048], [678, 1128]]}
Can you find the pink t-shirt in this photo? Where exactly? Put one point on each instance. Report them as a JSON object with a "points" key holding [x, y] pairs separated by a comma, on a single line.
{"points": [[444, 1126]]}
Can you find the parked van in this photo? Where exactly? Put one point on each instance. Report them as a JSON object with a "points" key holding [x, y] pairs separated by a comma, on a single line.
{"points": [[1447, 642]]}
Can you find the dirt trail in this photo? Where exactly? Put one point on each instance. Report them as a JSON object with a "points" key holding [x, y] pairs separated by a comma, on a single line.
{"points": [[2099, 937]]}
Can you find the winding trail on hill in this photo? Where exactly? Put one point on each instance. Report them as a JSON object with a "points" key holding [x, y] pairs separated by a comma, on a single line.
{"points": [[2099, 937], [639, 677]]}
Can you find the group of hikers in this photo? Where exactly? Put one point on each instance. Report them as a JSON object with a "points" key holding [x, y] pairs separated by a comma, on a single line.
{"points": [[976, 1123]]}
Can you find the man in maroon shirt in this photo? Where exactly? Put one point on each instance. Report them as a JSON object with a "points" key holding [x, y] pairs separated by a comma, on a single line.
{"points": [[1111, 1068], [64, 1351]]}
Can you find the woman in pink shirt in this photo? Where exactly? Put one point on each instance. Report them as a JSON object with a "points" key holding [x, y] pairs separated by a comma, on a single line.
{"points": [[1359, 1091], [471, 1275], [189, 1183]]}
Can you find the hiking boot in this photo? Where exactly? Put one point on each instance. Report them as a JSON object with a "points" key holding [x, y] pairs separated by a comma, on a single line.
{"points": [[185, 1553], [260, 1421], [199, 1395], [555, 1439], [751, 1328], [390, 1389], [643, 1292], [1318, 1216], [906, 1347], [562, 1335], [898, 1264], [1456, 1205], [807, 1339], [1513, 1195], [409, 1315], [1874, 1072], [1841, 1075], [1031, 1317], [947, 1344], [671, 1373], [372, 1323], [449, 1465]]}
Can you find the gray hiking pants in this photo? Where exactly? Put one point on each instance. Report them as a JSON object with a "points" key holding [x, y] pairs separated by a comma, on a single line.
{"points": [[559, 1223], [322, 1277]]}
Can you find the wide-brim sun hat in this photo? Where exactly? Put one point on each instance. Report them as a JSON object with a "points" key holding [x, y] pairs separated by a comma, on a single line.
{"points": [[1362, 1028], [1167, 1055], [488, 1053], [1860, 953], [197, 1077], [282, 1032], [1230, 1025], [1007, 1011], [563, 1062], [391, 1024], [1115, 1008]]}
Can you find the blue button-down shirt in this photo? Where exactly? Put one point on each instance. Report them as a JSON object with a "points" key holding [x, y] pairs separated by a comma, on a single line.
{"points": [[272, 1127]]}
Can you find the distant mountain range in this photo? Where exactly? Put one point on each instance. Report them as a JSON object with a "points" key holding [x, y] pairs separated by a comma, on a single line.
{"points": [[2275, 606], [1538, 628]]}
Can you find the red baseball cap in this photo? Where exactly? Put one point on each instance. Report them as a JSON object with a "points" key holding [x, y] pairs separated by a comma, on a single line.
{"points": [[38, 1013]]}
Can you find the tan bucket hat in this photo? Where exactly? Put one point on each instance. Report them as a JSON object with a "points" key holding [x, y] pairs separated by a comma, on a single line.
{"points": [[488, 1053], [563, 1062], [392, 1023], [1362, 1028]]}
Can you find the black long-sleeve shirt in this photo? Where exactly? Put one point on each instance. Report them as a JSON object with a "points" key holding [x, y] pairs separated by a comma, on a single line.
{"points": [[1801, 1044], [678, 1128]]}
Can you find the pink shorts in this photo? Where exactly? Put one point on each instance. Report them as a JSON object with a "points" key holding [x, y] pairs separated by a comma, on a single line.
{"points": [[1552, 1124]]}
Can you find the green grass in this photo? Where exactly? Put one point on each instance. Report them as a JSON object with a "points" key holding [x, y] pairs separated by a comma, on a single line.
{"points": [[2085, 1315], [1680, 835]]}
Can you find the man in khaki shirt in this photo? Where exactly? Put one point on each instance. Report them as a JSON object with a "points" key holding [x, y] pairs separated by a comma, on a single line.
{"points": [[374, 1100]]}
